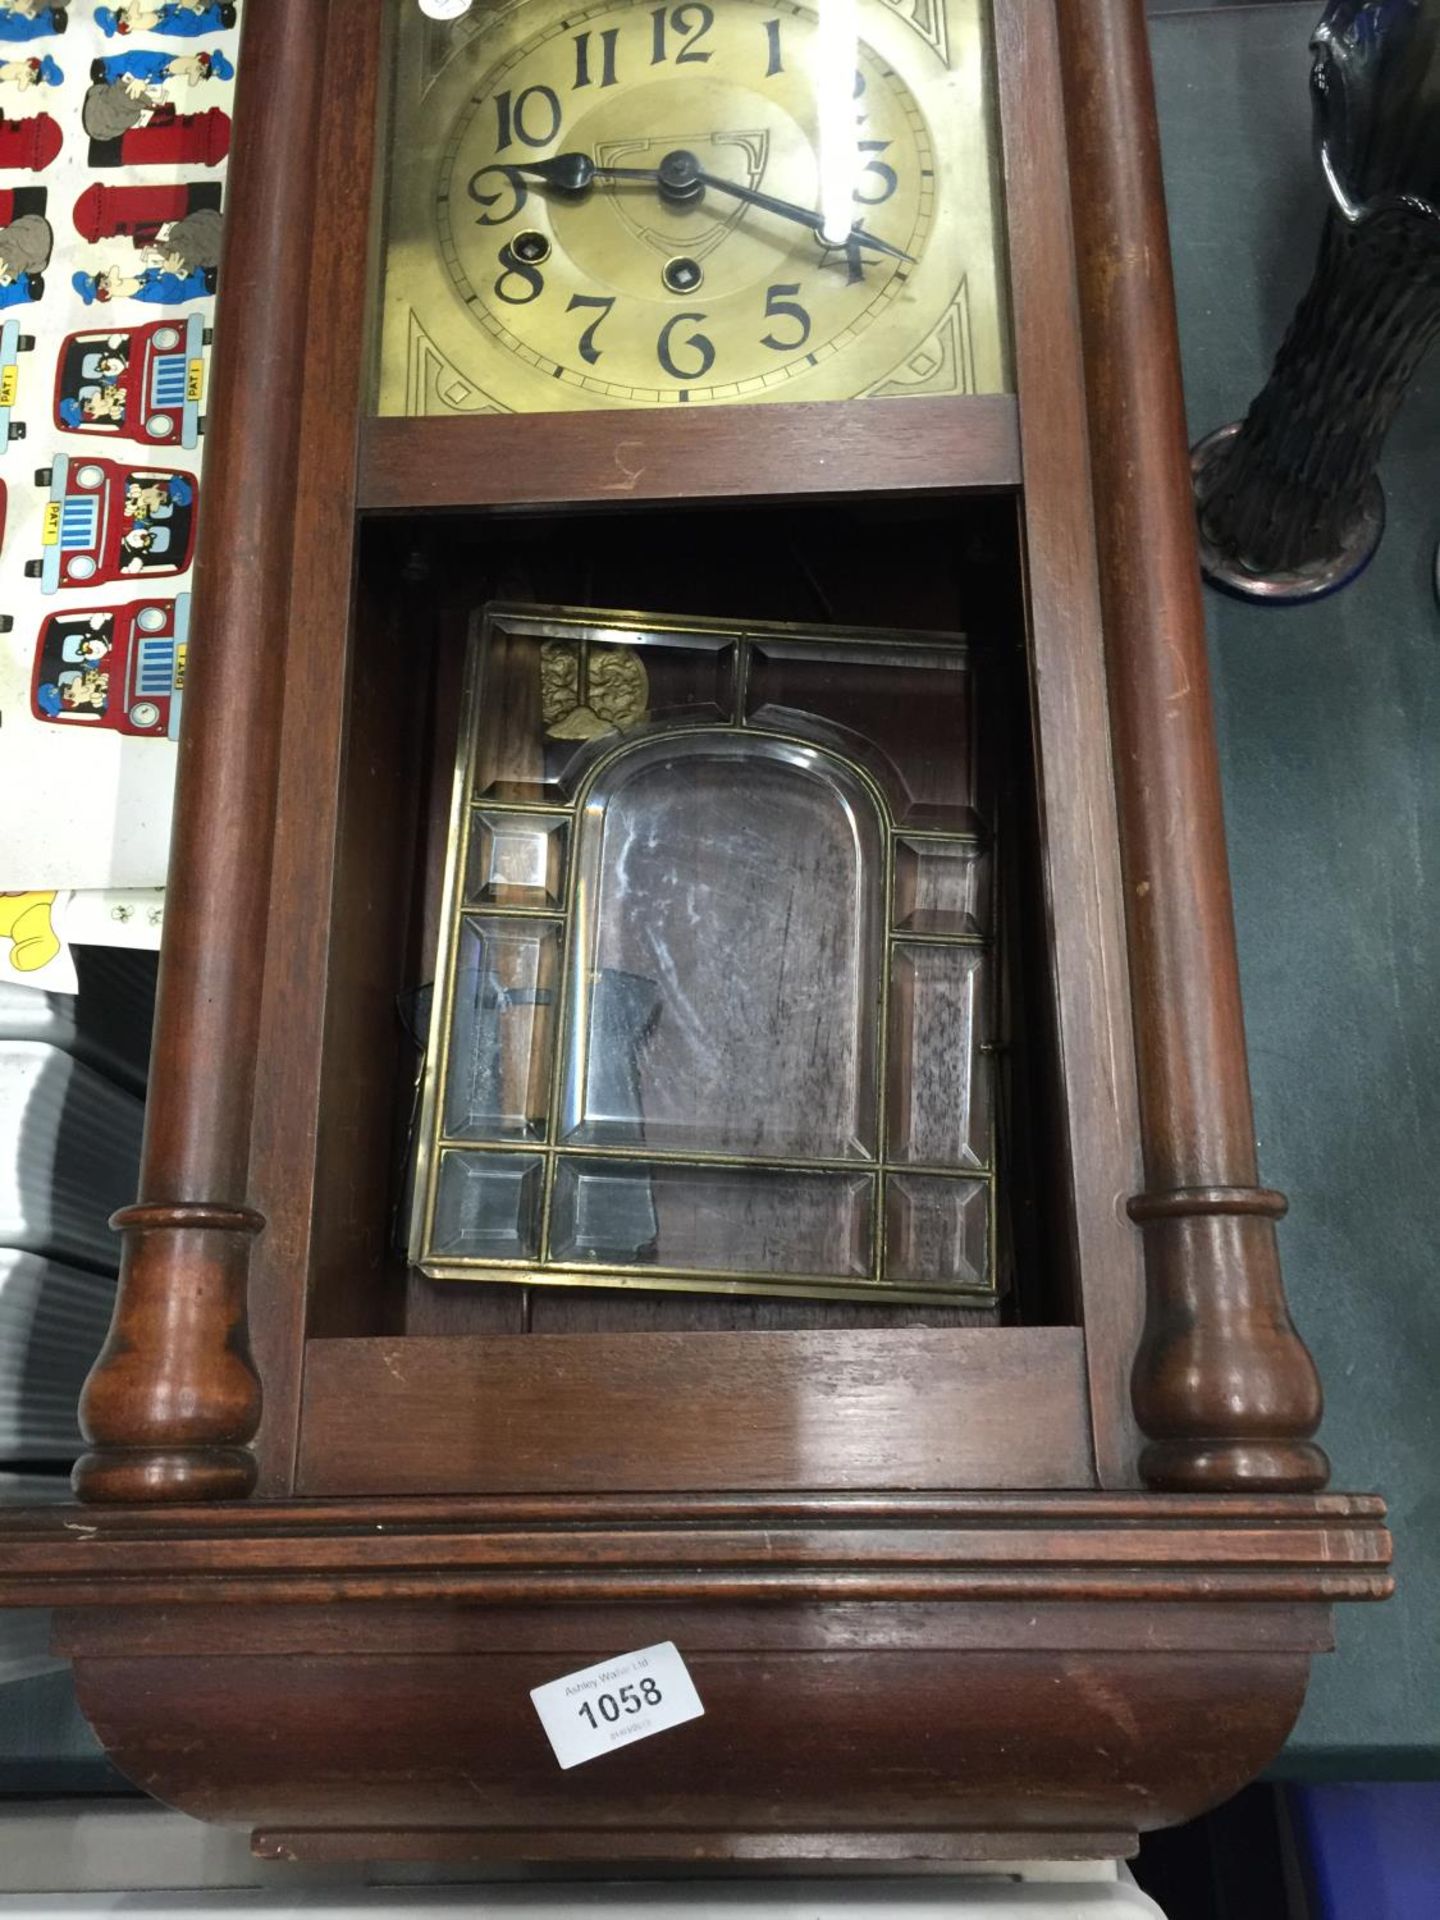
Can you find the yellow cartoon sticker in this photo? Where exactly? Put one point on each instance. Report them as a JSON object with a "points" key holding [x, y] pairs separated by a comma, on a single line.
{"points": [[25, 921]]}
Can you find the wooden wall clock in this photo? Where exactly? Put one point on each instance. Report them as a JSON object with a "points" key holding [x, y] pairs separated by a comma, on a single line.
{"points": [[707, 634]]}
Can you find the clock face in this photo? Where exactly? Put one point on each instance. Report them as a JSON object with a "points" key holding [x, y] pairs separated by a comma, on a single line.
{"points": [[636, 205]]}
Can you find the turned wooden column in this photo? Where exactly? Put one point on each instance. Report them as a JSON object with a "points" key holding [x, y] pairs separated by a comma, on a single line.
{"points": [[173, 1399], [1223, 1387]]}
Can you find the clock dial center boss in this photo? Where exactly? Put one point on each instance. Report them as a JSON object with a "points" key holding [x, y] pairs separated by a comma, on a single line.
{"points": [[630, 204]]}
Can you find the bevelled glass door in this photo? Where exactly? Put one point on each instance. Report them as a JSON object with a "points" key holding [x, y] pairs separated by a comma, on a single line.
{"points": [[714, 1002]]}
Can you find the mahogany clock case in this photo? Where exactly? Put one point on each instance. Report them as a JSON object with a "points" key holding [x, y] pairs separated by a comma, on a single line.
{"points": [[948, 1587]]}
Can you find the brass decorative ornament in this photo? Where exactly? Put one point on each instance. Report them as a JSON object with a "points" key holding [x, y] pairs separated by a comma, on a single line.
{"points": [[614, 696]]}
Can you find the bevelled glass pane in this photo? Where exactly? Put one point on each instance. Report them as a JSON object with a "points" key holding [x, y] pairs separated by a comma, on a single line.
{"points": [[728, 953], [937, 1230], [517, 860], [904, 713], [942, 886], [488, 1206], [498, 1071], [940, 1080], [735, 1220]]}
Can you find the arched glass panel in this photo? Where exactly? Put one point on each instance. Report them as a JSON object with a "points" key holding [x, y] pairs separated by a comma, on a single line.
{"points": [[726, 980]]}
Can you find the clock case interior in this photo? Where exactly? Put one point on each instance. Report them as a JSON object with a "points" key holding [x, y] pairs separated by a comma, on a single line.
{"points": [[789, 1132], [951, 1540]]}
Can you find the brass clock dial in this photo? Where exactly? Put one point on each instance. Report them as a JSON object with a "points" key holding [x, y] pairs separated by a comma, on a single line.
{"points": [[626, 204]]}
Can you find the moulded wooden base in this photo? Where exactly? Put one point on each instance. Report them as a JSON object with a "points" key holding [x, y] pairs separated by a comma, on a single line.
{"points": [[671, 1855], [977, 1730], [887, 1677]]}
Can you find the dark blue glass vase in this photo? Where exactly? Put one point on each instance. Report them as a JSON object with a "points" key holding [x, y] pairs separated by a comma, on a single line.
{"points": [[1288, 500]]}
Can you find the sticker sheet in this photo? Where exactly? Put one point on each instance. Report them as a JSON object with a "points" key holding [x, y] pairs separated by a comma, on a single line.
{"points": [[114, 129]]}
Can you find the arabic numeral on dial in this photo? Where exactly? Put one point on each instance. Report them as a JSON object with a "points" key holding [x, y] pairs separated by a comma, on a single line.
{"points": [[608, 39], [690, 24], [513, 185], [886, 177], [589, 352], [529, 277], [704, 347], [532, 117], [779, 306], [772, 37]]}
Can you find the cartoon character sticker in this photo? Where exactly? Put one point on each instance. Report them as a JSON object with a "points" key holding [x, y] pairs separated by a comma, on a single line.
{"points": [[181, 19], [165, 280], [31, 20], [35, 71], [25, 922], [140, 383], [152, 73], [145, 215], [125, 132], [120, 667], [26, 242], [103, 521], [130, 112]]}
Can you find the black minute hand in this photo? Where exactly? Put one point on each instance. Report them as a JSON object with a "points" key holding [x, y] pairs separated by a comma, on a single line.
{"points": [[680, 177], [788, 210]]}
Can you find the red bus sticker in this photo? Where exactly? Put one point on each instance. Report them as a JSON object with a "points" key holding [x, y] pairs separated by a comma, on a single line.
{"points": [[116, 667], [135, 383], [106, 521]]}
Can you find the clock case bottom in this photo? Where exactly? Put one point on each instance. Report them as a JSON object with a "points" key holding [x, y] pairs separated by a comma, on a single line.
{"points": [[888, 1680]]}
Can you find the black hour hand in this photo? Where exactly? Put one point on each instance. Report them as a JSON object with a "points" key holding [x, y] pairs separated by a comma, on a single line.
{"points": [[573, 172]]}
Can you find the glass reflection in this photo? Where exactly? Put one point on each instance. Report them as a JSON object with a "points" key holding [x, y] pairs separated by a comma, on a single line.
{"points": [[729, 946]]}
